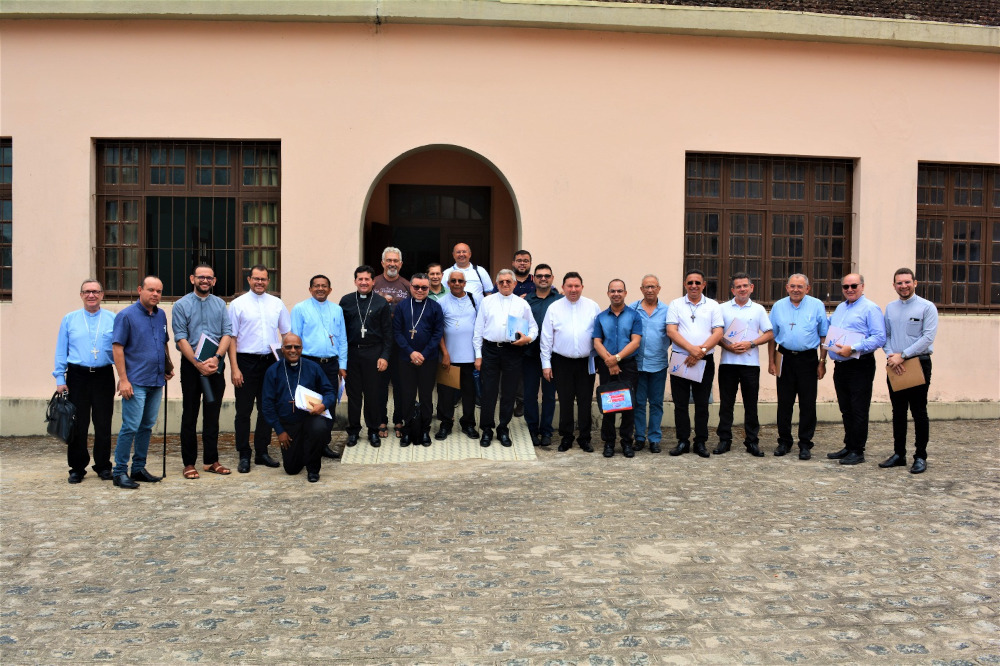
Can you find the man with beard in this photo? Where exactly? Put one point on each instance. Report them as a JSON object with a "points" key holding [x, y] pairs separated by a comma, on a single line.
{"points": [[201, 313], [320, 325], [617, 333], [368, 318], [417, 326], [394, 288], [522, 273], [301, 433], [539, 422]]}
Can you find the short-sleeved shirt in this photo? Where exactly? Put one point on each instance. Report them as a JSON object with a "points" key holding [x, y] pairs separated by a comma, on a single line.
{"points": [[143, 336], [757, 322], [694, 321], [394, 290], [459, 327], [615, 331], [655, 345], [799, 328]]}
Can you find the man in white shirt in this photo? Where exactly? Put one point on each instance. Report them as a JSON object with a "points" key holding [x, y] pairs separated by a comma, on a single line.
{"points": [[258, 320], [694, 325], [746, 328], [457, 349], [477, 279], [567, 344], [499, 354]]}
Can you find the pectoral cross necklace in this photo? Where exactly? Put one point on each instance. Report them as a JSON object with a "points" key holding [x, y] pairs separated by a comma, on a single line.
{"points": [[694, 309], [365, 317], [413, 331], [322, 322], [288, 384], [96, 335]]}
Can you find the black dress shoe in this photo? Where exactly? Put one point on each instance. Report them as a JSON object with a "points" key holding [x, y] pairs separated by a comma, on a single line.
{"points": [[585, 446], [699, 448], [654, 447], [782, 449], [470, 432], [105, 475], [244, 466], [609, 450], [895, 460], [680, 449], [352, 439], [404, 440], [804, 454], [143, 475], [122, 481], [75, 477], [518, 408], [504, 438], [627, 450], [639, 445], [374, 439], [919, 466], [443, 432], [265, 459], [723, 447], [565, 446], [330, 453], [425, 438], [546, 440], [838, 454], [754, 450], [536, 440], [312, 477], [852, 458], [486, 438]]}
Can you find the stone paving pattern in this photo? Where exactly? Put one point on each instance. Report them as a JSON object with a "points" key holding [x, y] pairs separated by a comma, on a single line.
{"points": [[572, 558]]}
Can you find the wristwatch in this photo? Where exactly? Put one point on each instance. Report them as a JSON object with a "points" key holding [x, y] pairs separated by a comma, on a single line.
{"points": [[220, 357], [618, 358], [753, 345], [705, 349]]}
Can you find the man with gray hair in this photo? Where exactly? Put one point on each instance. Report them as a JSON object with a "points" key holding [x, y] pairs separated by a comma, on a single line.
{"points": [[504, 326], [394, 288], [799, 325], [651, 359]]}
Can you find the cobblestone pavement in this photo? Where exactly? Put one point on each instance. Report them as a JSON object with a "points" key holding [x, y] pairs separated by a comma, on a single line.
{"points": [[573, 558]]}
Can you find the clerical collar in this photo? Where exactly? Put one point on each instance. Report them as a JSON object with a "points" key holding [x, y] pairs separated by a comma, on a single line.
{"points": [[292, 364], [360, 295]]}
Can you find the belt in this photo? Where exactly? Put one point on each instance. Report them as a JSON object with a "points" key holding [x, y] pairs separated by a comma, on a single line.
{"points": [[89, 368], [316, 359], [497, 344], [869, 354], [793, 353], [367, 345]]}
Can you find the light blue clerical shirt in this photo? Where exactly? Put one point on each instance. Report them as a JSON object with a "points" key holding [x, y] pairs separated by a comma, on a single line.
{"points": [[321, 327], [798, 328], [84, 339]]}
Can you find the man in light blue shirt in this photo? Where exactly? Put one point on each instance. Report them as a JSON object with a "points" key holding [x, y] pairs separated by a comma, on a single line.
{"points": [[799, 324], [459, 310], [651, 360], [85, 370], [319, 322], [746, 327], [910, 327], [853, 354]]}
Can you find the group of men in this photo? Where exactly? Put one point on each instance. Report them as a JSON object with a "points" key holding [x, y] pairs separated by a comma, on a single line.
{"points": [[521, 336]]}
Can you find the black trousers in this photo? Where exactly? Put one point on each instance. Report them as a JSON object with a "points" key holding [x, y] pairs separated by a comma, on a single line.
{"points": [[446, 398], [253, 367], [500, 375], [308, 438], [853, 381], [363, 388], [746, 378], [798, 379], [93, 394], [914, 399], [416, 381], [332, 371], [629, 375], [575, 385], [194, 398], [400, 412], [680, 391]]}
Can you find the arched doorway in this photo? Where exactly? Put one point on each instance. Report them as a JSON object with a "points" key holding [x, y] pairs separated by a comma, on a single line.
{"points": [[431, 198]]}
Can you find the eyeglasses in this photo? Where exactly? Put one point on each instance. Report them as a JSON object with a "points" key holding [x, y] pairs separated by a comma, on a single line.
{"points": [[204, 278], [505, 282], [456, 281], [91, 292], [845, 287], [420, 287], [693, 282], [543, 276], [291, 346], [258, 279], [649, 286]]}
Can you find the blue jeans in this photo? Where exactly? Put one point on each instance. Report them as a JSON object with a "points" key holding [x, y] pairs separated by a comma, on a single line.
{"points": [[138, 418], [531, 371], [650, 389]]}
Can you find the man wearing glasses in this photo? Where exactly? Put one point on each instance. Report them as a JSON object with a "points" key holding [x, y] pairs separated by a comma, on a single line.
{"points": [[651, 361], [257, 319], [200, 313], [499, 354], [539, 300], [853, 354], [799, 324], [417, 326], [302, 433], [694, 325], [459, 310], [522, 273], [84, 369]]}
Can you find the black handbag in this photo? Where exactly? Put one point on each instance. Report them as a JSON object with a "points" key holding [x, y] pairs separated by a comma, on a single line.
{"points": [[615, 397], [61, 416]]}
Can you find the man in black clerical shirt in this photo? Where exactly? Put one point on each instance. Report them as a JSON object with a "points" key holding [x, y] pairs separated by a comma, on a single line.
{"points": [[301, 433], [369, 339], [417, 326]]}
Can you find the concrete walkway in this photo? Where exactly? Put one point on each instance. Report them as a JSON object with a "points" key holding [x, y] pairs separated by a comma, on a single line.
{"points": [[572, 558]]}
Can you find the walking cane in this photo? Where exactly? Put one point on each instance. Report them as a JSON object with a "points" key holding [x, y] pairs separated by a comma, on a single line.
{"points": [[165, 410]]}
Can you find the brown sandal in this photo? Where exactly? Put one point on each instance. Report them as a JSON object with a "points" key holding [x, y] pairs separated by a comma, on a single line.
{"points": [[399, 430], [216, 468], [191, 473]]}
